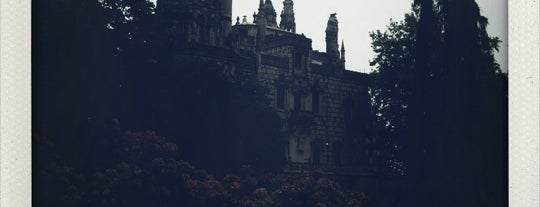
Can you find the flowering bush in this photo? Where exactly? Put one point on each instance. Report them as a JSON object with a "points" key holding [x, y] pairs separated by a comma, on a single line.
{"points": [[147, 172]]}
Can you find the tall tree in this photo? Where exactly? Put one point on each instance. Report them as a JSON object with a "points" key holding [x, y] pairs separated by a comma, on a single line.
{"points": [[462, 98], [74, 78], [391, 90], [454, 126]]}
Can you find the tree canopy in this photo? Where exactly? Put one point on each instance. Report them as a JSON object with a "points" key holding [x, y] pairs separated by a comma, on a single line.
{"points": [[106, 61], [442, 98], [392, 83]]}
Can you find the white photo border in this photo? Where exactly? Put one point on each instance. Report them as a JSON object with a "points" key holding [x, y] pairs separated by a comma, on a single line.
{"points": [[15, 104], [524, 96]]}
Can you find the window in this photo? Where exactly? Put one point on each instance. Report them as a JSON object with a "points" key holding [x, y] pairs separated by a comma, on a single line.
{"points": [[316, 152], [299, 67], [315, 102], [297, 102], [280, 98], [298, 60]]}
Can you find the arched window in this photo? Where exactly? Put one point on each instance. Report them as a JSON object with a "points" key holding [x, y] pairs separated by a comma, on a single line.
{"points": [[297, 102], [280, 97], [299, 63], [315, 99], [316, 152]]}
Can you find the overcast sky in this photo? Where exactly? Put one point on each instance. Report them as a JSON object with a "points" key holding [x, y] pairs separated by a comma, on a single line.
{"points": [[358, 17]]}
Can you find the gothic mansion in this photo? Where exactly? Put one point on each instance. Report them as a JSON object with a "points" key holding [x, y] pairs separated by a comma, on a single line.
{"points": [[303, 83]]}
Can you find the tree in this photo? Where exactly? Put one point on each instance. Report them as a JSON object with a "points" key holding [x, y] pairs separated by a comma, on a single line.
{"points": [[245, 130], [130, 22], [439, 89], [458, 97], [106, 60], [392, 82], [75, 81]]}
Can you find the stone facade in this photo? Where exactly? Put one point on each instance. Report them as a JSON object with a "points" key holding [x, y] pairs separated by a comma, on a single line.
{"points": [[318, 99], [202, 21]]}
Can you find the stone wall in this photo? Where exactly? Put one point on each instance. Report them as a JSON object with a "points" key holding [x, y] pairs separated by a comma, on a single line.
{"points": [[321, 146]]}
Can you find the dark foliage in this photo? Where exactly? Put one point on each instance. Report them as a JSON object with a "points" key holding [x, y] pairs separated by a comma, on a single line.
{"points": [[145, 169], [99, 60], [391, 90], [443, 102]]}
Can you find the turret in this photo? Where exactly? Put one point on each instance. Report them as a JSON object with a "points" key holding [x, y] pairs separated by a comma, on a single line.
{"points": [[260, 17], [270, 14], [332, 48], [226, 11], [287, 17], [261, 28], [254, 18]]}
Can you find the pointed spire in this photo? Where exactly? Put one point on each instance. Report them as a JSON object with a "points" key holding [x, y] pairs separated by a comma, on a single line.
{"points": [[270, 13], [254, 17], [261, 25], [261, 17], [268, 3], [287, 16], [342, 51], [266, 11]]}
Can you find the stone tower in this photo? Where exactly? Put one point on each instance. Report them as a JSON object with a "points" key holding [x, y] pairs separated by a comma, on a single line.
{"points": [[270, 13], [332, 48], [287, 17], [205, 22], [261, 22], [227, 15], [267, 11]]}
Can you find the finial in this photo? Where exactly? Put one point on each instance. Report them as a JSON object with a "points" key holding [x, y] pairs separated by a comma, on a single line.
{"points": [[342, 50], [244, 20], [254, 17], [237, 20]]}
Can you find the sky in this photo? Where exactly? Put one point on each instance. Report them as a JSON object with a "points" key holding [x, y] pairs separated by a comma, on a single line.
{"points": [[358, 17]]}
